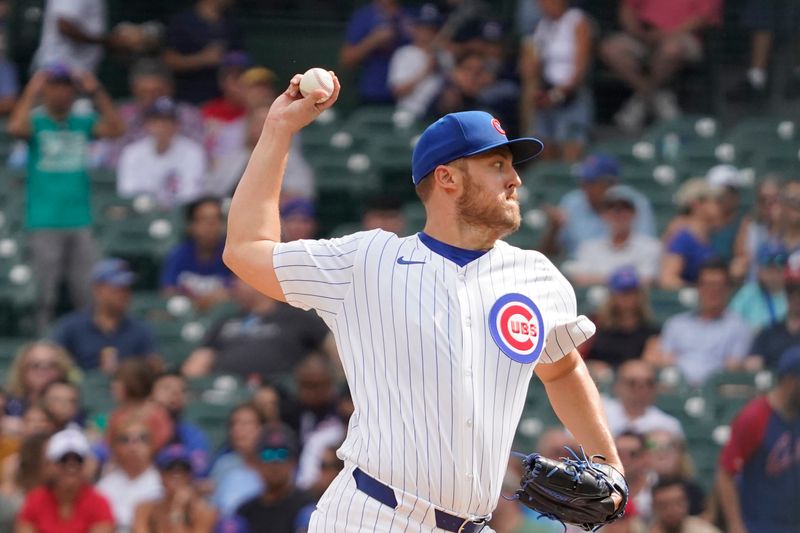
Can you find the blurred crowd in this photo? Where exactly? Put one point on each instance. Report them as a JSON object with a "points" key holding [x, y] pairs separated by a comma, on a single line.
{"points": [[197, 100]]}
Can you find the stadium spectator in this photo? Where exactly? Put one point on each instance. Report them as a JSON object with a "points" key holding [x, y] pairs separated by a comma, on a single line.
{"points": [[710, 338], [414, 73], [235, 471], [789, 219], [329, 467], [373, 33], [384, 212], [264, 337], [66, 501], [62, 401], [596, 259], [762, 303], [774, 340], [197, 40], [638, 473], [133, 478], [768, 22], [149, 80], [58, 218], [670, 459], [763, 224], [229, 105], [298, 219], [169, 391], [315, 401], [268, 402], [35, 366], [632, 408], [9, 79], [556, 103], [625, 327], [578, 217], [725, 238], [74, 32], [758, 473], [690, 245], [280, 505], [194, 267], [656, 40], [671, 510], [100, 337], [469, 85], [36, 421], [164, 164], [22, 474], [132, 388], [181, 509]]}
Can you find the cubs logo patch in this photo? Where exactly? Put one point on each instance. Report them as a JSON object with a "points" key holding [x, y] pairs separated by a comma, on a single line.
{"points": [[517, 327], [498, 127]]}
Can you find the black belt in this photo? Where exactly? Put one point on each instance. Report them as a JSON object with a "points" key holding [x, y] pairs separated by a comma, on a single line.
{"points": [[385, 494]]}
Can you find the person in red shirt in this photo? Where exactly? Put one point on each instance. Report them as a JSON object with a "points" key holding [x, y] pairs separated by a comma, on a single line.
{"points": [[229, 106], [661, 36], [66, 503]]}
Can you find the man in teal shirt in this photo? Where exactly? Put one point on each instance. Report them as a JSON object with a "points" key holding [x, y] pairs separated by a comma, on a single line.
{"points": [[58, 212]]}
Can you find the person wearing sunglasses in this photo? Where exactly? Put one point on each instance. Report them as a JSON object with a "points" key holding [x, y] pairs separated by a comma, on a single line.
{"points": [[181, 509], [66, 501], [132, 477], [280, 507], [36, 365], [632, 407]]}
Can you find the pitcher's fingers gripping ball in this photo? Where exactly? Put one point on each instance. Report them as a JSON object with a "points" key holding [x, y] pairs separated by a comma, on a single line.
{"points": [[314, 79], [576, 491]]}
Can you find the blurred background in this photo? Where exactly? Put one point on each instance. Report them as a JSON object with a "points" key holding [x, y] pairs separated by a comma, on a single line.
{"points": [[668, 193]]}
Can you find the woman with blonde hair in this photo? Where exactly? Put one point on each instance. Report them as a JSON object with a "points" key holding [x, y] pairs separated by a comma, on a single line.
{"points": [[669, 458], [36, 365]]}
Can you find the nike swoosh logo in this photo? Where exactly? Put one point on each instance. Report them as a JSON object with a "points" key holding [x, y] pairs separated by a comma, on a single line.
{"points": [[401, 261]]}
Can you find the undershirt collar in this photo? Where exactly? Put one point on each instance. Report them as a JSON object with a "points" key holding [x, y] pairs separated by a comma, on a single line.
{"points": [[459, 256]]}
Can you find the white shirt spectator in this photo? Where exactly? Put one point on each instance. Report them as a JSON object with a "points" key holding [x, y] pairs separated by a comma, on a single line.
{"points": [[599, 257], [652, 419], [174, 177], [54, 47], [409, 62], [702, 347], [554, 41], [124, 493], [327, 434]]}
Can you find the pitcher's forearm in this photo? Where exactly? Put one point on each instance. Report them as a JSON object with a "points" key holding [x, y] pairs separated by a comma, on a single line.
{"points": [[254, 214]]}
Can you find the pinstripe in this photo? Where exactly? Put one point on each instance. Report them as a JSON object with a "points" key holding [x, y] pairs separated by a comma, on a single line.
{"points": [[399, 371]]}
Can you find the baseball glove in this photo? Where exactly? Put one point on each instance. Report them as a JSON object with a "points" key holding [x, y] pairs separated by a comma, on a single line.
{"points": [[573, 491]]}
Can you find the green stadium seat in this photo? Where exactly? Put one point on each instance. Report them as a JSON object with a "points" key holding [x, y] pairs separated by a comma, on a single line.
{"points": [[688, 128], [752, 135]]}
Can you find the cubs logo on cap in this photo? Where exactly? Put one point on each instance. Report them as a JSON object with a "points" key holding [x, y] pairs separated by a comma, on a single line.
{"points": [[517, 327]]}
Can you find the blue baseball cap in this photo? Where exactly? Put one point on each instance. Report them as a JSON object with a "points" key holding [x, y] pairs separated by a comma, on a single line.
{"points": [[597, 167], [624, 279], [772, 253], [298, 206], [58, 73], [163, 107], [465, 134], [113, 271], [789, 363], [175, 454], [428, 15]]}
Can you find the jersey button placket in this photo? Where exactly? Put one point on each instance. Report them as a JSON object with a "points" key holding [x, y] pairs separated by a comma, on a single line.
{"points": [[464, 411]]}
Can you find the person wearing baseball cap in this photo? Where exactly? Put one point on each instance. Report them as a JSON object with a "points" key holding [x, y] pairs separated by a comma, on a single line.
{"points": [[778, 337], [759, 470], [578, 217], [180, 509], [58, 218], [597, 258], [66, 501], [164, 164], [99, 336], [228, 107], [762, 301], [729, 180], [278, 508]]}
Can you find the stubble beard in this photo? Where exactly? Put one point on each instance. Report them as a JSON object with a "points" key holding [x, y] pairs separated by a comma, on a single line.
{"points": [[475, 207]]}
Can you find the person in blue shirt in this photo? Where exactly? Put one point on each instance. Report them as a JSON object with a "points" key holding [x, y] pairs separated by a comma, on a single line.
{"points": [[194, 267], [98, 337], [373, 33], [578, 217], [169, 390], [690, 246], [762, 302]]}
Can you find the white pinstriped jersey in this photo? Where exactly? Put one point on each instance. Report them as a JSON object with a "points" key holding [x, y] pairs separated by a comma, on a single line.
{"points": [[438, 357]]}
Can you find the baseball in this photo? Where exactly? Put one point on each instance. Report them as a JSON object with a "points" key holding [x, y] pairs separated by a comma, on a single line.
{"points": [[316, 78]]}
